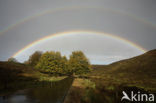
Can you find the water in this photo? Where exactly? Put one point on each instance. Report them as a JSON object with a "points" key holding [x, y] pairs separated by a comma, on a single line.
{"points": [[53, 92]]}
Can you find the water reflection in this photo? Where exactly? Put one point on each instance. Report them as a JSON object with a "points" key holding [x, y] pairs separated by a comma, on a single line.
{"points": [[53, 92]]}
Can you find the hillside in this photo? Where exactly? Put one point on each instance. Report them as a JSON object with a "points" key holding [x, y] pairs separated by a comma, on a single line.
{"points": [[138, 71], [144, 64], [10, 69]]}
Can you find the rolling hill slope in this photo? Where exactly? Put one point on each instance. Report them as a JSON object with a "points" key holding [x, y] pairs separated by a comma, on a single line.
{"points": [[138, 71], [141, 65]]}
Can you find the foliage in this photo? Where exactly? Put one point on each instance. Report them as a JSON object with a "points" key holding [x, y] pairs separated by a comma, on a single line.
{"points": [[13, 60], [34, 58], [52, 62], [78, 63]]}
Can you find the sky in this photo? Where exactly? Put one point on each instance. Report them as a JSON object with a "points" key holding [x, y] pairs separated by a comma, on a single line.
{"points": [[25, 21]]}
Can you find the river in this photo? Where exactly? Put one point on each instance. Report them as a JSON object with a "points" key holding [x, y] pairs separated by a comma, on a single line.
{"points": [[53, 92]]}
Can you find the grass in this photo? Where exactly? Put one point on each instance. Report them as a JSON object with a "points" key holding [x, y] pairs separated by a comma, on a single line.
{"points": [[51, 79], [83, 83]]}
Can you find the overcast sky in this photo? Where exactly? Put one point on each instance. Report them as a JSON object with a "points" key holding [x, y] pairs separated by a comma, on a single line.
{"points": [[30, 20]]}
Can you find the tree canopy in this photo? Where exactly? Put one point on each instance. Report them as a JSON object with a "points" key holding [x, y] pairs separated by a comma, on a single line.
{"points": [[54, 63], [78, 63], [34, 58]]}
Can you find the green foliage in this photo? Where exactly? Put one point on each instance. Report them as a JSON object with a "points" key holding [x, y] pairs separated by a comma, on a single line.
{"points": [[52, 62], [78, 63], [34, 58], [89, 84]]}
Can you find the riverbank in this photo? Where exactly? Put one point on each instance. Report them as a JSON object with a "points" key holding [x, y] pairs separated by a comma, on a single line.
{"points": [[16, 76], [31, 83]]}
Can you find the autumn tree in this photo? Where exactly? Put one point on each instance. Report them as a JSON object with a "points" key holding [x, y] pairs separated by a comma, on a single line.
{"points": [[78, 63], [34, 58], [64, 66], [52, 62]]}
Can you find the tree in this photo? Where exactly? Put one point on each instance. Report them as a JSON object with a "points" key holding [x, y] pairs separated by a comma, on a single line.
{"points": [[78, 63], [52, 62], [65, 65], [34, 58], [13, 60]]}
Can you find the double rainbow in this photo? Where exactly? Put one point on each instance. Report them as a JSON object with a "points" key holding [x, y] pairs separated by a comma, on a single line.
{"points": [[77, 32], [53, 11]]}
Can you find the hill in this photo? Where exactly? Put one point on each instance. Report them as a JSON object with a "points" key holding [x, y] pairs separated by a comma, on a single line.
{"points": [[138, 71], [141, 65], [11, 69]]}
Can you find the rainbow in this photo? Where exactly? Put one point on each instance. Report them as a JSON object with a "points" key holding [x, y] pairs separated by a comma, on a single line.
{"points": [[75, 32], [51, 11]]}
